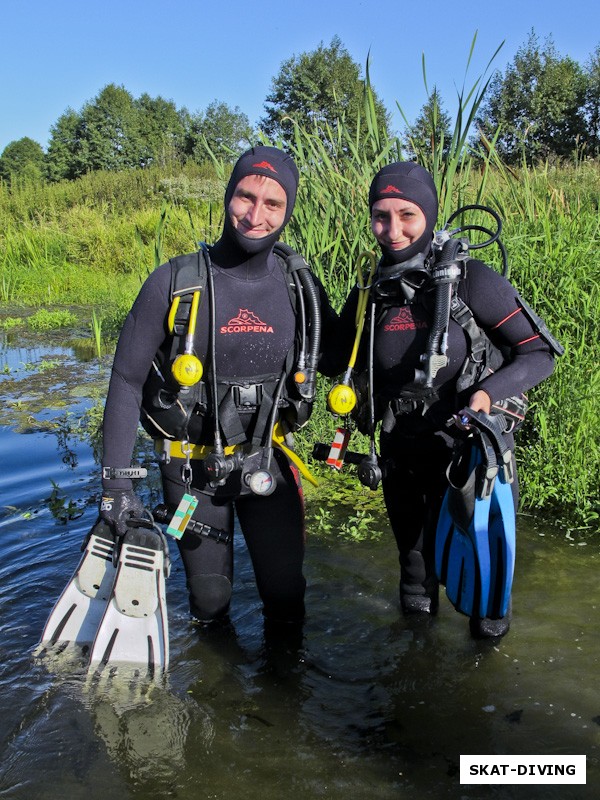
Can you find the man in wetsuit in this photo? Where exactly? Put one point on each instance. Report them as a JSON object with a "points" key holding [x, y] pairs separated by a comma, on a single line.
{"points": [[414, 431], [250, 328]]}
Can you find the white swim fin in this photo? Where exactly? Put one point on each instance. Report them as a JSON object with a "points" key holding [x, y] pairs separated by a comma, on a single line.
{"points": [[79, 609], [134, 627]]}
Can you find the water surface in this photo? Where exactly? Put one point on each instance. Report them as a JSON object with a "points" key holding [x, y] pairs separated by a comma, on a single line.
{"points": [[365, 705]]}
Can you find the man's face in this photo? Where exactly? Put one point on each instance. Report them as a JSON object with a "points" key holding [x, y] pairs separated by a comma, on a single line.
{"points": [[258, 206]]}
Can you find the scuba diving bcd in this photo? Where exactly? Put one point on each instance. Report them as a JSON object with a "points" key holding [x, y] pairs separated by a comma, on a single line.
{"points": [[439, 271], [181, 395], [446, 267]]}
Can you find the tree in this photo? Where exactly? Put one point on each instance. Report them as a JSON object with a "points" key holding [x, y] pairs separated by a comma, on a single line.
{"points": [[538, 104], [22, 158], [592, 103], [431, 130], [109, 135], [63, 146], [322, 87], [161, 130], [114, 132], [226, 131]]}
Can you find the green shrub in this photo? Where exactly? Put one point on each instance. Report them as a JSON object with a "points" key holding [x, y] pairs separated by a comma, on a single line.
{"points": [[45, 320], [93, 242], [11, 322]]}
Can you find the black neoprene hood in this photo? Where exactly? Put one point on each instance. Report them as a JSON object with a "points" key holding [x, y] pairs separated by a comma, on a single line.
{"points": [[272, 163], [407, 181]]}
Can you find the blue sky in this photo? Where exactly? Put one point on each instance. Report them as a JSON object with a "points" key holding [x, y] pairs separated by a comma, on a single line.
{"points": [[60, 54]]}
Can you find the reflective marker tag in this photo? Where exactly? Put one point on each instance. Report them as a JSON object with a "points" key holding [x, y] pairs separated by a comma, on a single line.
{"points": [[338, 449], [182, 516]]}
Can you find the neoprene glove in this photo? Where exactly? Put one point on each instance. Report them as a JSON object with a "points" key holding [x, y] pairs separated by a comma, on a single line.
{"points": [[117, 507]]}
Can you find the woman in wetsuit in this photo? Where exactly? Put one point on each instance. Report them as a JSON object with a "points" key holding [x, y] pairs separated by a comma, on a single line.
{"points": [[415, 437]]}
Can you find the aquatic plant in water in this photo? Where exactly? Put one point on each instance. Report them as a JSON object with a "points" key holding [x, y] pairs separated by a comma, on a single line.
{"points": [[45, 320]]}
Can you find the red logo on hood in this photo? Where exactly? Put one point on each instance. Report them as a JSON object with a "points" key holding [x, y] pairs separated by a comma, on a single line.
{"points": [[390, 189], [246, 321], [265, 165]]}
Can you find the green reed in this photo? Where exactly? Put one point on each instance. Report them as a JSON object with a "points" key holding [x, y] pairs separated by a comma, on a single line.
{"points": [[96, 327], [450, 161], [552, 234], [94, 241]]}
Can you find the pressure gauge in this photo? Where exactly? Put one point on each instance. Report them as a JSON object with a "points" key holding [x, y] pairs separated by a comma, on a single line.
{"points": [[261, 482]]}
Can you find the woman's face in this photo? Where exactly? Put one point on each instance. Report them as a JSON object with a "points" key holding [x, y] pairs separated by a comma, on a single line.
{"points": [[396, 223]]}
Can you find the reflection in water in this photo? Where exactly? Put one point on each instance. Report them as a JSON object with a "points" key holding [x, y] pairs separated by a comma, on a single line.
{"points": [[64, 441], [145, 729], [361, 703]]}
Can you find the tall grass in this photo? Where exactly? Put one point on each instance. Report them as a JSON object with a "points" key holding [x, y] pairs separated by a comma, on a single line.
{"points": [[450, 162], [330, 225], [552, 231], [90, 240], [95, 240], [96, 328]]}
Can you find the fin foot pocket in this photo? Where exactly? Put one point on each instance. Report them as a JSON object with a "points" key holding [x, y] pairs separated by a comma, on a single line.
{"points": [[462, 551], [487, 628], [134, 627]]}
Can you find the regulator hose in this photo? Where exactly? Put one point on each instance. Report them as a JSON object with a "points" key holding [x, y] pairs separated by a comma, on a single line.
{"points": [[308, 388], [308, 295], [446, 272]]}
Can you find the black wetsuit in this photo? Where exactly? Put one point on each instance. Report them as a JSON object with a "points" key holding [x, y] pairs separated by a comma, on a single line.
{"points": [[255, 329], [416, 442]]}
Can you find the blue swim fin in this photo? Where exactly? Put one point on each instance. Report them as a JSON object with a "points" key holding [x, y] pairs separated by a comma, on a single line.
{"points": [[502, 537], [462, 552], [502, 523]]}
